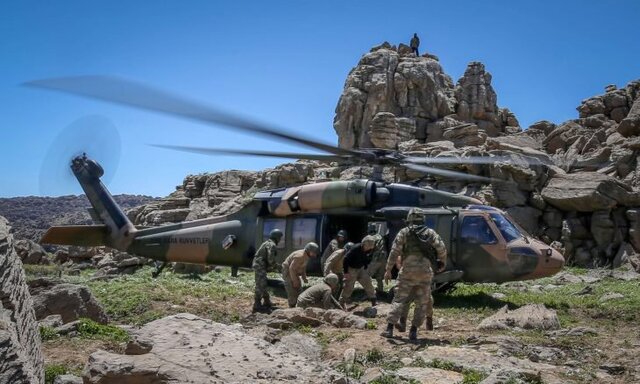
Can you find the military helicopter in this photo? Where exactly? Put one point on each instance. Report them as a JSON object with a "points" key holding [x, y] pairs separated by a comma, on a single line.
{"points": [[484, 244]]}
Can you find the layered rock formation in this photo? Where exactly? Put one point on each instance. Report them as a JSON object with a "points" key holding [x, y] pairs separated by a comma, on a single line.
{"points": [[21, 360], [574, 184], [393, 96]]}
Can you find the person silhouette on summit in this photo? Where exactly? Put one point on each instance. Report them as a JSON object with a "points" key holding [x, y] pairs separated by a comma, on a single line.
{"points": [[414, 44]]}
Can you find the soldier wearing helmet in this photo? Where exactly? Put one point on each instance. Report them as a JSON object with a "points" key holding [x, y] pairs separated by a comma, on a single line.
{"points": [[418, 246], [334, 245], [263, 262], [294, 268], [378, 258], [335, 265], [320, 295], [355, 265]]}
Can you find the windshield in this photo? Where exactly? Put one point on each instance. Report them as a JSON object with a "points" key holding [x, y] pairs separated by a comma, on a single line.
{"points": [[507, 229]]}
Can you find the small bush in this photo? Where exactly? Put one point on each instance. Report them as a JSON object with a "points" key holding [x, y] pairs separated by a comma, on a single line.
{"points": [[371, 325], [89, 329], [51, 371], [48, 333]]}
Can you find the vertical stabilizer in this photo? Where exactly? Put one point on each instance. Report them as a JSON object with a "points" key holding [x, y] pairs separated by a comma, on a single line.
{"points": [[119, 227]]}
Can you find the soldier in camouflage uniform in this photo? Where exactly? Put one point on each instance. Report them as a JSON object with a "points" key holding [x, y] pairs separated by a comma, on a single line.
{"points": [[294, 268], [263, 262], [402, 323], [335, 264], [418, 245], [320, 295], [334, 245], [378, 259]]}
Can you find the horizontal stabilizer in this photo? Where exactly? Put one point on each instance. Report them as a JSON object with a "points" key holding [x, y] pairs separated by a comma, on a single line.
{"points": [[84, 235]]}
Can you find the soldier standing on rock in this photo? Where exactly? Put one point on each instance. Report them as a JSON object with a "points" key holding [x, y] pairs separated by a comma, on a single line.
{"points": [[334, 245], [418, 245], [263, 262], [414, 44], [378, 259], [294, 268]]}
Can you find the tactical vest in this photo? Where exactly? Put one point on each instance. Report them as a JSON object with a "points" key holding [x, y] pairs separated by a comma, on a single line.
{"points": [[418, 243]]}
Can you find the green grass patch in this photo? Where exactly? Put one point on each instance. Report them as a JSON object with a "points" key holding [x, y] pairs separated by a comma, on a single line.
{"points": [[470, 376], [48, 333], [139, 298], [89, 329], [51, 371], [371, 324]]}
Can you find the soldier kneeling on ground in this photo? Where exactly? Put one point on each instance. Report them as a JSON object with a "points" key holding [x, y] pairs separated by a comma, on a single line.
{"points": [[294, 269], [320, 295]]}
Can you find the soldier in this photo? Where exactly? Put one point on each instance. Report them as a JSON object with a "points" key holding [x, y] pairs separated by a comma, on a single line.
{"points": [[378, 259], [320, 295], [294, 268], [355, 269], [335, 264], [418, 246], [263, 262], [334, 245], [414, 44], [402, 323]]}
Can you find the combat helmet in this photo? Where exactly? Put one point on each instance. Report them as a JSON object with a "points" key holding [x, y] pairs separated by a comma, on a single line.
{"points": [[312, 247], [276, 235], [348, 246], [332, 280], [342, 233], [415, 217]]}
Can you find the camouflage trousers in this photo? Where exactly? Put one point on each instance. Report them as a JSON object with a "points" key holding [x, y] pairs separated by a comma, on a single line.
{"points": [[408, 291], [261, 291], [292, 293], [428, 312], [376, 271], [361, 276]]}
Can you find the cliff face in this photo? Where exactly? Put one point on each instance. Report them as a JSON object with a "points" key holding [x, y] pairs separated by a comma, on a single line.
{"points": [[20, 348], [574, 185]]}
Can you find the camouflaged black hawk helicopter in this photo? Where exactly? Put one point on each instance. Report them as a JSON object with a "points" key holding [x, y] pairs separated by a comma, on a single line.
{"points": [[484, 244]]}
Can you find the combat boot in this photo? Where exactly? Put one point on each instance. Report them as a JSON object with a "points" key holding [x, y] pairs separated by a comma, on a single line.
{"points": [[413, 333], [402, 325], [256, 305], [429, 323], [373, 302], [389, 332]]}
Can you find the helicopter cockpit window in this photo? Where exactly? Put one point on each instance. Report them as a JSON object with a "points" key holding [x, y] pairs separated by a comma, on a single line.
{"points": [[508, 230], [303, 231], [270, 224], [476, 230]]}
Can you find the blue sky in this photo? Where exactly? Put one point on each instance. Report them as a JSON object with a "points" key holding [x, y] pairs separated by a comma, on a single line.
{"points": [[281, 62]]}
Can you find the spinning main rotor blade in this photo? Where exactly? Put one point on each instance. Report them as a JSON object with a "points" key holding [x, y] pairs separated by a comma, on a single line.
{"points": [[234, 152], [444, 172], [126, 92]]}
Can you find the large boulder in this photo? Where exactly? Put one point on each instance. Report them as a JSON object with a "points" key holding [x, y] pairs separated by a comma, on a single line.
{"points": [[187, 346], [31, 252], [20, 350], [531, 316], [70, 301], [588, 192], [630, 125]]}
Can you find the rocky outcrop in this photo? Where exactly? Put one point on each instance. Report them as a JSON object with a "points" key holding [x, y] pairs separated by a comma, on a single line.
{"points": [[393, 96], [186, 346], [31, 252], [70, 301], [21, 359]]}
